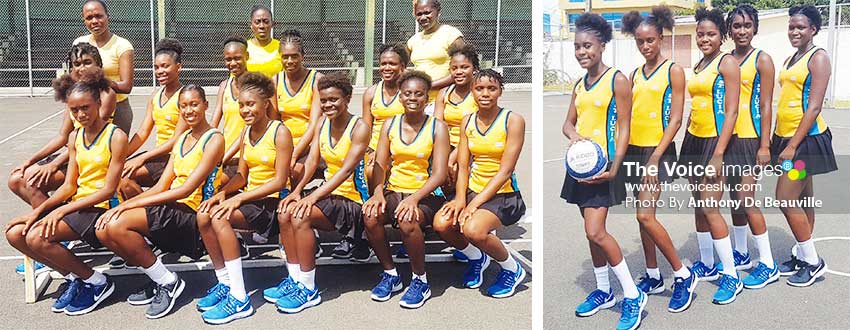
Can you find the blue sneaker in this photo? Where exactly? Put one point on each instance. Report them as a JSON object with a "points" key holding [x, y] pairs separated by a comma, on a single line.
{"points": [[742, 261], [472, 278], [299, 300], [506, 283], [704, 273], [761, 276], [386, 287], [416, 295], [595, 301], [39, 268], [89, 297], [71, 290], [283, 289], [729, 288], [650, 285], [214, 295], [228, 310], [459, 256], [683, 293], [632, 310]]}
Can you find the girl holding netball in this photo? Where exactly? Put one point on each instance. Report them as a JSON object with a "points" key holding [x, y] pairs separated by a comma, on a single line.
{"points": [[97, 150], [714, 91], [381, 101], [802, 138], [455, 101], [601, 99], [486, 193], [264, 49], [336, 205], [165, 214], [750, 146], [263, 172], [227, 104], [658, 97], [414, 149], [145, 169]]}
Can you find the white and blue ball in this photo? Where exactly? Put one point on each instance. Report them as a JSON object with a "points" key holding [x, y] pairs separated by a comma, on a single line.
{"points": [[585, 159]]}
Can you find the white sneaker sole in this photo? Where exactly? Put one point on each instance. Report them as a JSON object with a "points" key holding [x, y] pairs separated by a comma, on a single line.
{"points": [[419, 304], [180, 287], [103, 297], [395, 289], [513, 288], [480, 274], [769, 280], [606, 305], [308, 304], [231, 318], [811, 281], [657, 290], [140, 302]]}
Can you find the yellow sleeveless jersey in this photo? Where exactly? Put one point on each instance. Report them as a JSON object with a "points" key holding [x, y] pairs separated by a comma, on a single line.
{"points": [[233, 122], [454, 113], [93, 162], [748, 124], [708, 97], [596, 108], [411, 162], [652, 98], [354, 187], [486, 149], [165, 115], [295, 109], [261, 157], [184, 164], [795, 83], [381, 111], [264, 59]]}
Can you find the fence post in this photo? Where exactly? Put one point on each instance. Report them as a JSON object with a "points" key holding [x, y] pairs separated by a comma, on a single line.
{"points": [[369, 43], [384, 22], [160, 7], [271, 31], [29, 47], [153, 46], [830, 92], [498, 30]]}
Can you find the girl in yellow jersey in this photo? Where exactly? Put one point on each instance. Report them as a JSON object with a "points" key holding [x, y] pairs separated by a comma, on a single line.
{"points": [[145, 169], [227, 105], [486, 195], [381, 101], [658, 96], [45, 170], [750, 146], [414, 148], [714, 90], [263, 172], [97, 150], [264, 50], [455, 102], [336, 205], [297, 99], [165, 214], [601, 111], [802, 143]]}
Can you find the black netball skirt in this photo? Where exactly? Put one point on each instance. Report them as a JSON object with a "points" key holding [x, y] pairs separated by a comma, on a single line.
{"points": [[741, 151], [697, 150], [641, 155], [604, 194], [815, 151]]}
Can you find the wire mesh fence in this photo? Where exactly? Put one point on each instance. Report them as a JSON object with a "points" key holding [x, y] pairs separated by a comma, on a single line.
{"points": [[35, 35]]}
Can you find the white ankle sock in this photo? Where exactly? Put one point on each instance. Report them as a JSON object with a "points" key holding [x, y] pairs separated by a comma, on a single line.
{"points": [[96, 278], [706, 250], [654, 273], [471, 252], [509, 264], [763, 245], [294, 271], [724, 251], [810, 255], [740, 233], [392, 272], [221, 275], [621, 270], [308, 278], [602, 282], [71, 277], [159, 274], [423, 277], [682, 272], [237, 284]]}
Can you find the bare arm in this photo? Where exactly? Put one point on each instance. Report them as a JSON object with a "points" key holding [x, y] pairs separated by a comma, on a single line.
{"points": [[731, 73], [68, 188], [218, 113], [145, 129], [442, 82], [623, 97], [569, 128], [315, 115], [462, 164], [382, 160], [766, 70], [440, 104], [118, 147], [125, 70], [368, 96], [677, 84], [820, 68], [107, 105]]}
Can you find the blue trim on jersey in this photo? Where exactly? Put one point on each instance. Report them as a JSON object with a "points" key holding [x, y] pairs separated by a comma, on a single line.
{"points": [[359, 179], [283, 193], [755, 104], [807, 88], [208, 189], [719, 93], [666, 106], [514, 185], [611, 128]]}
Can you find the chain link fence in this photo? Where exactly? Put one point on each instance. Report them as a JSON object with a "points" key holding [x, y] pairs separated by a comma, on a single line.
{"points": [[35, 35]]}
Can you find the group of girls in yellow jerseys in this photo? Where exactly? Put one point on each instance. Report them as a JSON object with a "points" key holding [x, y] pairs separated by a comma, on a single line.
{"points": [[282, 124], [635, 119]]}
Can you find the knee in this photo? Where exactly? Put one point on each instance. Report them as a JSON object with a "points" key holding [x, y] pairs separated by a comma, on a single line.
{"points": [[284, 219], [372, 222], [103, 237], [597, 236], [303, 224], [442, 226], [15, 182], [407, 228], [475, 233], [645, 219], [219, 225], [34, 239], [15, 236], [204, 221]]}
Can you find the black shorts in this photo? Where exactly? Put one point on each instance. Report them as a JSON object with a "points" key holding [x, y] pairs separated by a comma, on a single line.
{"points": [[605, 194], [82, 223], [429, 206], [230, 170], [261, 215], [154, 166], [741, 151], [345, 214], [508, 207], [49, 159], [174, 228], [815, 151], [641, 156]]}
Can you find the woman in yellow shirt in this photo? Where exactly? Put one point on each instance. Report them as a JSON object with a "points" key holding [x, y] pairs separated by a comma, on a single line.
{"points": [[802, 142], [411, 162], [144, 169], [97, 150], [335, 205], [227, 104], [165, 214], [455, 101], [264, 50], [429, 47], [381, 100]]}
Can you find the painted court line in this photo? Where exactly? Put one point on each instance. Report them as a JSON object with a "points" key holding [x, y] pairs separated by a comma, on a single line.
{"points": [[32, 126]]}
